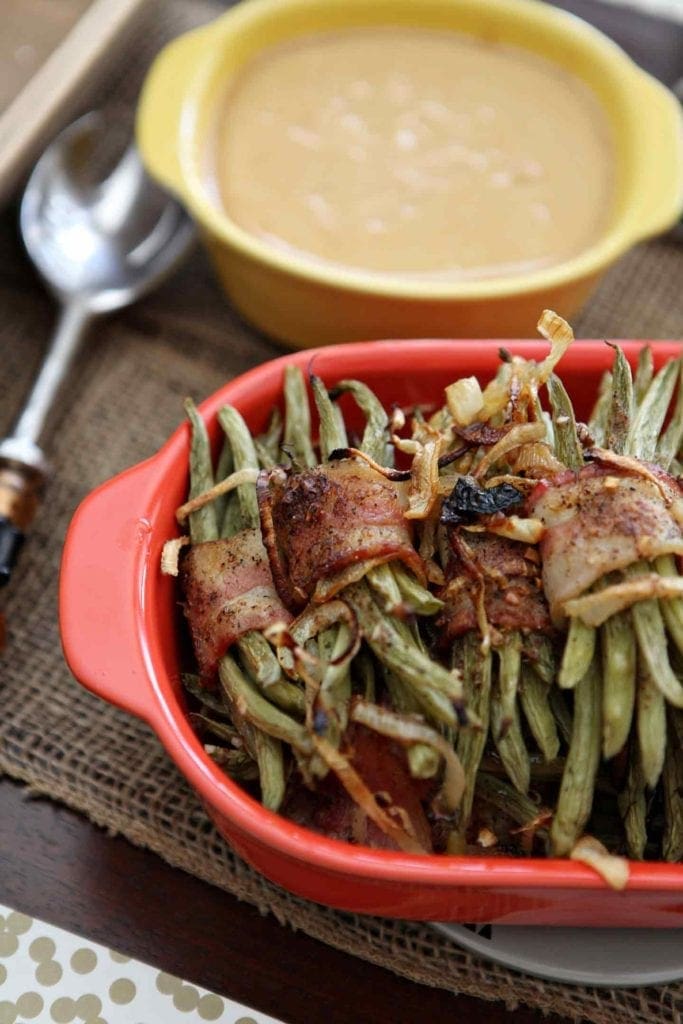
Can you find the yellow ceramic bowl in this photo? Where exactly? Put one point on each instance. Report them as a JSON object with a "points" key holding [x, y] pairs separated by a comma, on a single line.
{"points": [[304, 303]]}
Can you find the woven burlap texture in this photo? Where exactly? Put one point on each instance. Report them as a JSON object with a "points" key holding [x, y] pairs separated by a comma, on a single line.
{"points": [[125, 398]]}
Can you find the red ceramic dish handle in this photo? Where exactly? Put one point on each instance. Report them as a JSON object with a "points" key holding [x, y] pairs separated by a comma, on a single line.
{"points": [[107, 552]]}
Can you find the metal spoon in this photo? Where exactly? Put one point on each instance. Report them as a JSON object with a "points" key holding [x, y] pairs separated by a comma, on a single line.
{"points": [[99, 247]]}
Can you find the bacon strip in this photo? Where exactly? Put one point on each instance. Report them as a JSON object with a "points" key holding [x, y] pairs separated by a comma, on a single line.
{"points": [[229, 590], [381, 765], [321, 521], [602, 519], [507, 572]]}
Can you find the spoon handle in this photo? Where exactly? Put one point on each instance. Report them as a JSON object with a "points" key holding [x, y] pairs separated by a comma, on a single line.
{"points": [[28, 427], [23, 466]]}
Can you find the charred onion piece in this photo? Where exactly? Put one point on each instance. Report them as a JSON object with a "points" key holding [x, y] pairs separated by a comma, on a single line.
{"points": [[469, 499]]}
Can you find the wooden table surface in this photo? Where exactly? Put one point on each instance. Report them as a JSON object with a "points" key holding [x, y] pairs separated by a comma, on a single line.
{"points": [[56, 865]]}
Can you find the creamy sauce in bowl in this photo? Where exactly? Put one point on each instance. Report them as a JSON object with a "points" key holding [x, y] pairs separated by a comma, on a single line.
{"points": [[417, 152], [30, 30]]}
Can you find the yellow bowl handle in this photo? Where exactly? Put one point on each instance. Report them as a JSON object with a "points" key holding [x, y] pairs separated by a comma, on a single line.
{"points": [[661, 186], [166, 93]]}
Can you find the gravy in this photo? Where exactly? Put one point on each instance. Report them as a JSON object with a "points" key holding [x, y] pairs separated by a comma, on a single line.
{"points": [[413, 151], [29, 31]]}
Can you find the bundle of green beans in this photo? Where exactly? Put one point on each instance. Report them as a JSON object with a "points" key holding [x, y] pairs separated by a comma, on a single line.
{"points": [[269, 708], [549, 716], [622, 672], [508, 687], [252, 688]]}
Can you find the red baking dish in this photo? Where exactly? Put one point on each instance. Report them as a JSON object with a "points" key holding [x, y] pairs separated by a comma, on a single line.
{"points": [[119, 629]]}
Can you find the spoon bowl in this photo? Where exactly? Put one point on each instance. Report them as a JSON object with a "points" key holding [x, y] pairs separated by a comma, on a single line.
{"points": [[99, 245], [102, 243]]}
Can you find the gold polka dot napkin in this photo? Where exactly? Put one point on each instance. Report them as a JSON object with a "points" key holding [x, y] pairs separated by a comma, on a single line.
{"points": [[49, 976]]}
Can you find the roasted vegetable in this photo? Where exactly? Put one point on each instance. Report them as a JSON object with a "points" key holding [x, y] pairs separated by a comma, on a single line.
{"points": [[401, 623]]}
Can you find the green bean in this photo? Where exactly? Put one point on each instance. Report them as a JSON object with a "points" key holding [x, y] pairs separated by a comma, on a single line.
{"points": [[375, 441], [420, 600], [541, 771], [675, 719], [567, 445], [383, 580], [578, 780], [335, 688], [561, 713], [256, 658], [621, 406], [471, 742], [238, 764], [672, 847], [441, 420], [670, 440], [257, 710], [222, 730], [203, 525], [332, 433], [651, 721], [384, 583], [538, 650], [423, 760], [364, 668], [438, 691], [652, 644], [287, 696], [267, 444], [231, 522], [504, 798], [597, 424], [271, 768], [244, 457], [507, 736], [618, 644], [505, 724], [577, 655], [510, 664], [533, 695], [263, 668], [672, 610], [224, 468], [633, 806], [647, 423], [297, 438], [209, 698], [644, 374]]}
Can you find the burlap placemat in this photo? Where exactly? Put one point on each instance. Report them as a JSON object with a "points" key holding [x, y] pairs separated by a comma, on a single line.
{"points": [[125, 398]]}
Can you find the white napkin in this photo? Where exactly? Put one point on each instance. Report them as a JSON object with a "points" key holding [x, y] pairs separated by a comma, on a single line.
{"points": [[49, 975]]}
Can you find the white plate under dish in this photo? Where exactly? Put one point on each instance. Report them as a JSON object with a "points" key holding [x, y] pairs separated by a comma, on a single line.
{"points": [[605, 957]]}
